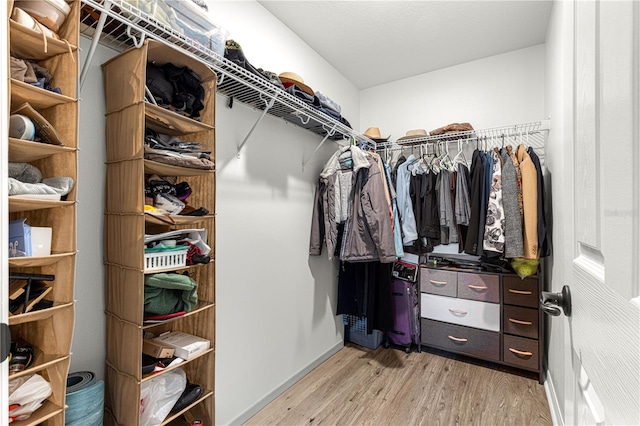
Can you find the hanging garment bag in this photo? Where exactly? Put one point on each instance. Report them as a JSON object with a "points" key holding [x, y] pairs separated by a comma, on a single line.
{"points": [[405, 315]]}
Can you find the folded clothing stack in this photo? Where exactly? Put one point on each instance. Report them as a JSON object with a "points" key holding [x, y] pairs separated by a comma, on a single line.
{"points": [[26, 180]]}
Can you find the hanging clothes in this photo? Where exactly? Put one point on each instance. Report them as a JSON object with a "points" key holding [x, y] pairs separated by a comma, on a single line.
{"points": [[530, 203], [477, 184], [494, 225], [462, 203], [364, 289], [397, 232], [350, 191], [543, 243], [513, 246], [405, 207], [447, 219]]}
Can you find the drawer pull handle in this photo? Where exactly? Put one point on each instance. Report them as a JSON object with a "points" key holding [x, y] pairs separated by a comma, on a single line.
{"points": [[517, 352], [434, 282], [478, 287], [457, 311], [520, 321], [457, 339], [520, 291]]}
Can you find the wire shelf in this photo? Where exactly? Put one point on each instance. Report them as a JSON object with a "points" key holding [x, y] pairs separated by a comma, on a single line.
{"points": [[126, 26], [533, 134]]}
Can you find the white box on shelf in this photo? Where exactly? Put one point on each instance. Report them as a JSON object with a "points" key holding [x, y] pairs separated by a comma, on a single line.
{"points": [[40, 241], [186, 345]]}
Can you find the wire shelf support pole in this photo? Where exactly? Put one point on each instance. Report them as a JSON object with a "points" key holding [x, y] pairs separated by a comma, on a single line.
{"points": [[329, 134], [268, 105]]}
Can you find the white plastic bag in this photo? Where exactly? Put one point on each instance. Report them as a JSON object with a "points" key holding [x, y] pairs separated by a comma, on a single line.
{"points": [[159, 395], [28, 393]]}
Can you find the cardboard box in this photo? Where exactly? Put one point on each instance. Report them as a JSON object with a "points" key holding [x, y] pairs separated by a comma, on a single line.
{"points": [[186, 345], [156, 349], [41, 241]]}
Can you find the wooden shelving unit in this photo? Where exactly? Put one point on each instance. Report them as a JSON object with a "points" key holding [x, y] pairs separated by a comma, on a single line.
{"points": [[48, 330], [126, 224]]}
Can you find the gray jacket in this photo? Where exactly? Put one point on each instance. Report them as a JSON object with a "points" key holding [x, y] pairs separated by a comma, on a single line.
{"points": [[350, 191]]}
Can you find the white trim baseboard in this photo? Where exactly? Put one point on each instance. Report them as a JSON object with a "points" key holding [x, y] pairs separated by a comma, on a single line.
{"points": [[262, 402], [552, 399]]}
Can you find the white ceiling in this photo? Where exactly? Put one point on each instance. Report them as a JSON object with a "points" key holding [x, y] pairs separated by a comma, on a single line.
{"points": [[376, 42]]}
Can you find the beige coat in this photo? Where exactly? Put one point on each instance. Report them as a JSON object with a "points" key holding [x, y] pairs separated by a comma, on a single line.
{"points": [[530, 203]]}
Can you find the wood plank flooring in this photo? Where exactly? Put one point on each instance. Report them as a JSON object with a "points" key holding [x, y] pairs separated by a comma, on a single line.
{"points": [[359, 386]]}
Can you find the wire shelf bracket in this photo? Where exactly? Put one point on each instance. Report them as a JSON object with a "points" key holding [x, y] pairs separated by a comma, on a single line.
{"points": [[329, 134], [268, 105], [94, 43]]}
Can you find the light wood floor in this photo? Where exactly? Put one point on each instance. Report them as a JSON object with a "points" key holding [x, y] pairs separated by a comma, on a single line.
{"points": [[359, 386]]}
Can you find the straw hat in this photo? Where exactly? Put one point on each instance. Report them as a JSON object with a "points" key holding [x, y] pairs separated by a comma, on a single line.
{"points": [[416, 133], [289, 78], [374, 133]]}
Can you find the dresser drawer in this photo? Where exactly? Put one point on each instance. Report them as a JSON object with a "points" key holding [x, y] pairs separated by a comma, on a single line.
{"points": [[520, 321], [479, 287], [520, 292], [465, 312], [440, 282], [455, 338], [521, 352]]}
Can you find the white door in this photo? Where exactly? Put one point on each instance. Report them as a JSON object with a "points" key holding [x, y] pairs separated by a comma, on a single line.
{"points": [[604, 327]]}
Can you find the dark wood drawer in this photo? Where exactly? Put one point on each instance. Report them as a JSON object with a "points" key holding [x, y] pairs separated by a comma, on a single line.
{"points": [[520, 321], [465, 340], [521, 352], [520, 292], [479, 287], [435, 281]]}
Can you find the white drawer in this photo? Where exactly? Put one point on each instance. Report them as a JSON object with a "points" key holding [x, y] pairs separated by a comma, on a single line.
{"points": [[470, 313]]}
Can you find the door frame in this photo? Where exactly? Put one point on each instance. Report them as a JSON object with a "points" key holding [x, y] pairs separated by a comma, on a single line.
{"points": [[4, 204]]}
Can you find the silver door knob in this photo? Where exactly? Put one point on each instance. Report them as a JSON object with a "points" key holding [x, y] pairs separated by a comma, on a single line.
{"points": [[551, 303]]}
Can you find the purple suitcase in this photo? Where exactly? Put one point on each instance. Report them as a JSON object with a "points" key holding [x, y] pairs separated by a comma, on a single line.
{"points": [[405, 315]]}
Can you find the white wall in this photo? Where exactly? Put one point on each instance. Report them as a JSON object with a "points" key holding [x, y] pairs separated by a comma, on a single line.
{"points": [[491, 92], [275, 304], [88, 346], [559, 183]]}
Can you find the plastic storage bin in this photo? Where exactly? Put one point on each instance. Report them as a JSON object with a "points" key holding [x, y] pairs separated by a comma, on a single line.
{"points": [[165, 260], [355, 329], [50, 13]]}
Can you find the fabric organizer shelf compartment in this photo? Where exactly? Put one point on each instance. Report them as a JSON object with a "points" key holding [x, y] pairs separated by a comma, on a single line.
{"points": [[119, 25]]}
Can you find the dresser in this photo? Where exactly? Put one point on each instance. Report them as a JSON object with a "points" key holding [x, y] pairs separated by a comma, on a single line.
{"points": [[490, 316]]}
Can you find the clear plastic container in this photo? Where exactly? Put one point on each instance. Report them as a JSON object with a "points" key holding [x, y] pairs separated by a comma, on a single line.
{"points": [[50, 13]]}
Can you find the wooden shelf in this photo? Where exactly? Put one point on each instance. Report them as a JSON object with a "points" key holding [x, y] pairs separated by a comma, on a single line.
{"points": [[173, 220], [200, 307], [34, 316], [47, 411], [31, 44], [29, 204], [22, 151], [34, 261], [168, 122], [41, 362], [171, 417], [182, 364], [161, 169], [38, 98]]}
